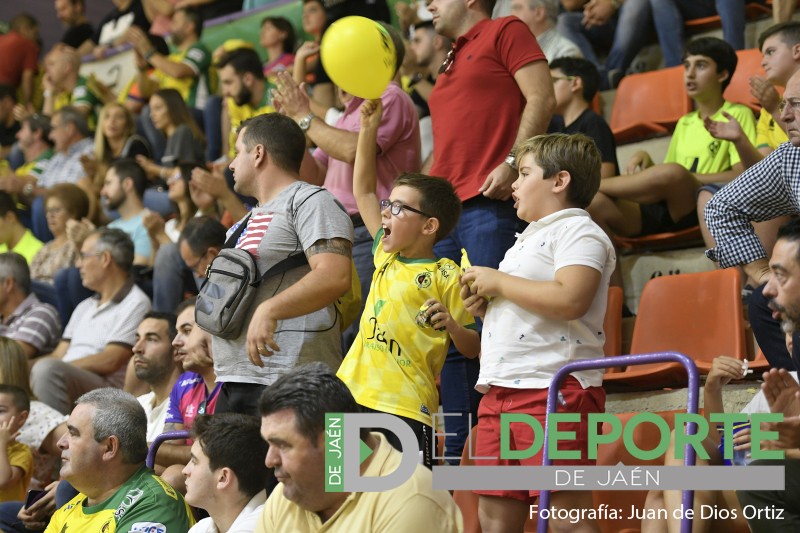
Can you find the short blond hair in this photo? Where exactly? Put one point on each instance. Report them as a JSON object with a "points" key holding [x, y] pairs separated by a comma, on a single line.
{"points": [[576, 154]]}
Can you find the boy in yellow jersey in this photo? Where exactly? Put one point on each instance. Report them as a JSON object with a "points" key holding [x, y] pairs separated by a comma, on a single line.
{"points": [[16, 459], [393, 363]]}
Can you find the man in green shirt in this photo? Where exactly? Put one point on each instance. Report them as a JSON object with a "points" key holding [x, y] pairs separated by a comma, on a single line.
{"points": [[103, 454]]}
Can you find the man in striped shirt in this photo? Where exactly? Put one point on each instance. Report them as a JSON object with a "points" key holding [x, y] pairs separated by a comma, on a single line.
{"points": [[34, 325]]}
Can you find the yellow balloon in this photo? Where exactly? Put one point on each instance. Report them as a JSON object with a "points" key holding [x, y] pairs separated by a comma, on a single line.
{"points": [[359, 56]]}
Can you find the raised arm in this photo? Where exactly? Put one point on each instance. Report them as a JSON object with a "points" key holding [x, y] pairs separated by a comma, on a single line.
{"points": [[365, 169], [761, 193], [723, 370], [9, 474]]}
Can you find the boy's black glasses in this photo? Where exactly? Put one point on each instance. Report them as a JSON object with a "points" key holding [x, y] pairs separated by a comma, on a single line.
{"points": [[398, 206]]}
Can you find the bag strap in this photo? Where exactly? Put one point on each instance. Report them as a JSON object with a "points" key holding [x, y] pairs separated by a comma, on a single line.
{"points": [[231, 241], [294, 260]]}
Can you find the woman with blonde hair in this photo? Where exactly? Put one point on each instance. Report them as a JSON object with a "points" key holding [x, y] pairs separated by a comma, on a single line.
{"points": [[115, 137]]}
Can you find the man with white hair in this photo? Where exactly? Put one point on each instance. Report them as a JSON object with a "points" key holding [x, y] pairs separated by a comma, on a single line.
{"points": [[541, 17]]}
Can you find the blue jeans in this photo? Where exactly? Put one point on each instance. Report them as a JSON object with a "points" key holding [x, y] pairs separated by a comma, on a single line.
{"points": [[486, 230], [587, 39], [365, 266], [669, 17], [731, 13], [460, 402], [628, 32]]}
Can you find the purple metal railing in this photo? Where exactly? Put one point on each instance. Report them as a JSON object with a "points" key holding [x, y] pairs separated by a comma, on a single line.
{"points": [[626, 360], [159, 440]]}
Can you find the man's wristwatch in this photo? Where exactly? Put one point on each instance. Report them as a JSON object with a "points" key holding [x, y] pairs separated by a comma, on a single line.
{"points": [[511, 160], [305, 122], [27, 190]]}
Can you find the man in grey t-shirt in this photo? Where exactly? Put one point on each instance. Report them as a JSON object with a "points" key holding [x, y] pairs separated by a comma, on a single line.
{"points": [[292, 319]]}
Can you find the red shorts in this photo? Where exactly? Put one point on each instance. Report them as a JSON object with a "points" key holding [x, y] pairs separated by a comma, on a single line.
{"points": [[533, 402]]}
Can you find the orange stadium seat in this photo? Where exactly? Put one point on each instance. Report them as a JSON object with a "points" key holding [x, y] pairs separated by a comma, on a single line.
{"points": [[739, 89], [669, 240], [759, 365], [698, 314], [634, 117], [597, 104]]}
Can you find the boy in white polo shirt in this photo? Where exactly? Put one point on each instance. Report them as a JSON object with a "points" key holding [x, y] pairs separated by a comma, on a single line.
{"points": [[543, 307]]}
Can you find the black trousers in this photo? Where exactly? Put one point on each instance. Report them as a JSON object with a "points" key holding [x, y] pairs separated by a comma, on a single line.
{"points": [[423, 432]]}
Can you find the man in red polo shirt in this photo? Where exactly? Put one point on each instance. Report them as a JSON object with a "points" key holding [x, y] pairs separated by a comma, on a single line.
{"points": [[494, 91], [20, 55]]}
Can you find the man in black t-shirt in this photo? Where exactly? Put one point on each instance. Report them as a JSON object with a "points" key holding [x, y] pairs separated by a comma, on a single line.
{"points": [[79, 32], [8, 124], [126, 13]]}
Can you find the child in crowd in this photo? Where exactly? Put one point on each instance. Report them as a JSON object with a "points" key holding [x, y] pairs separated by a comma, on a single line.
{"points": [[413, 310], [543, 308], [575, 82], [659, 198], [16, 459]]}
